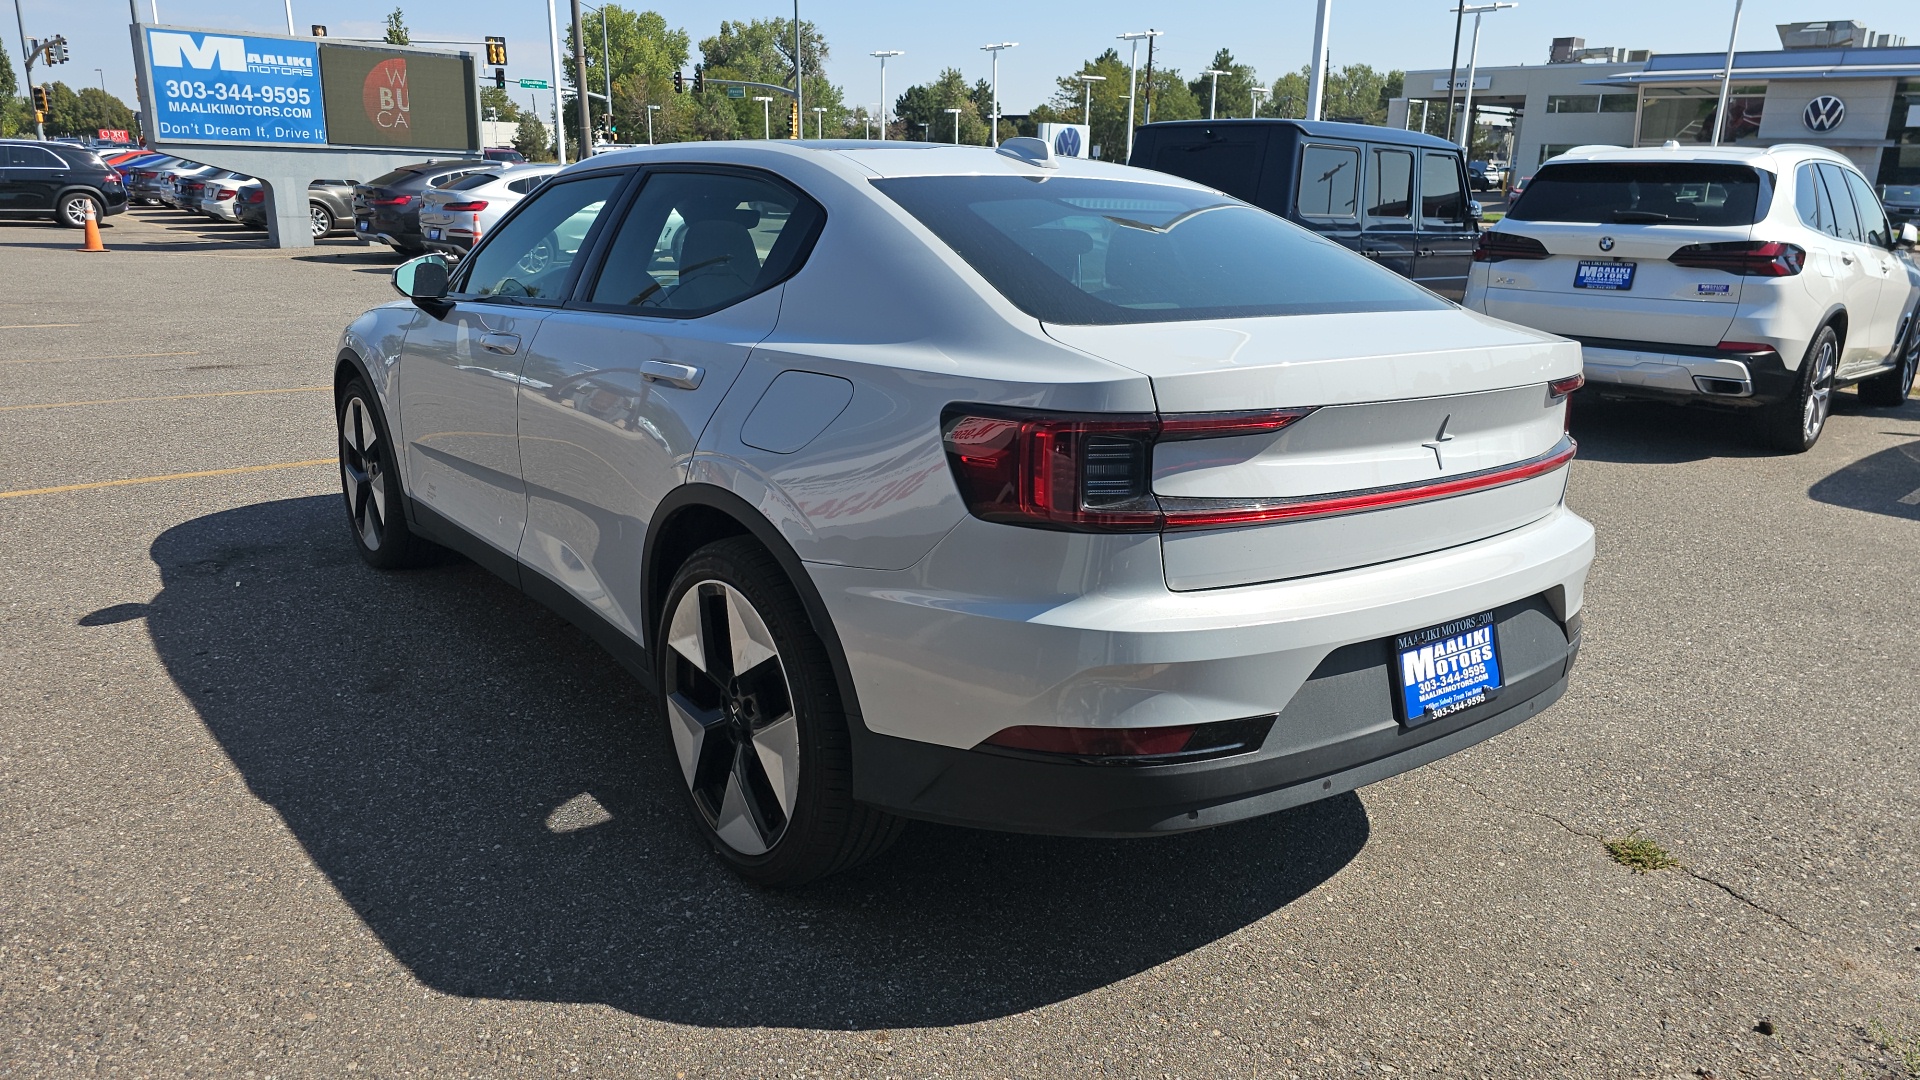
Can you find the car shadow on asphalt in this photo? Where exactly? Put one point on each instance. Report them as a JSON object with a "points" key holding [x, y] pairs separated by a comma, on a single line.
{"points": [[493, 795], [1654, 433], [1884, 483]]}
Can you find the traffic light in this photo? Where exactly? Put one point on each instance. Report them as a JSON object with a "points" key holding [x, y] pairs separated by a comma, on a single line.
{"points": [[793, 118], [679, 83], [42, 101], [319, 31], [499, 78], [57, 50], [699, 79], [497, 52]]}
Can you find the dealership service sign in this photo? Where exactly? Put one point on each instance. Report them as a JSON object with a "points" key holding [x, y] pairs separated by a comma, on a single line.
{"points": [[230, 88]]}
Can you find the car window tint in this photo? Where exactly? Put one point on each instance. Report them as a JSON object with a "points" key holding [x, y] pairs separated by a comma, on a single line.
{"points": [[525, 184], [1094, 251], [531, 255], [1846, 219], [1645, 193], [1229, 163], [1329, 182], [1390, 185], [695, 242], [1807, 201], [450, 178], [1441, 201], [1873, 219], [395, 177], [33, 157], [473, 180]]}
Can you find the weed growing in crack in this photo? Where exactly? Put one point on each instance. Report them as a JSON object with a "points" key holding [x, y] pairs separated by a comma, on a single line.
{"points": [[1900, 1044], [1639, 854]]}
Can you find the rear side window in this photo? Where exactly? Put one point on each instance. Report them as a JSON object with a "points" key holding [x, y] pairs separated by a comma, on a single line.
{"points": [[1329, 185], [1441, 201], [1646, 193], [1810, 200], [1104, 252], [1390, 186], [1846, 224], [33, 157], [466, 183], [526, 183], [1229, 163]]}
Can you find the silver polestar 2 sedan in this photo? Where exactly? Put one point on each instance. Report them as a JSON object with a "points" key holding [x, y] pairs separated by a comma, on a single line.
{"points": [[979, 486]]}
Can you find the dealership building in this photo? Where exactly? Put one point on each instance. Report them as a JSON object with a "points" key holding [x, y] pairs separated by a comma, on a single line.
{"points": [[1834, 84]]}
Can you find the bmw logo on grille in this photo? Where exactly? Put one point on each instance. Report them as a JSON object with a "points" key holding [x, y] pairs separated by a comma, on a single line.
{"points": [[1067, 142], [1824, 113], [1606, 243]]}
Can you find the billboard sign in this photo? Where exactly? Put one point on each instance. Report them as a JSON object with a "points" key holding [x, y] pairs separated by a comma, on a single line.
{"points": [[234, 88], [396, 97]]}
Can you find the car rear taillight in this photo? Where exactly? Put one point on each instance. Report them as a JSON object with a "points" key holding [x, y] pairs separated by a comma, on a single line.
{"points": [[1758, 349], [1560, 388], [390, 200], [257, 195], [1082, 473], [1500, 246], [1748, 258], [465, 207], [225, 193]]}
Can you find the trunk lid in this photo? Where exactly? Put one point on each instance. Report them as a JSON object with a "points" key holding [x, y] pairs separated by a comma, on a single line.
{"points": [[1444, 395]]}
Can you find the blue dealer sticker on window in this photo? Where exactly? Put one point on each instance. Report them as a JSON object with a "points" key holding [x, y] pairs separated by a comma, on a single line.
{"points": [[1444, 669]]}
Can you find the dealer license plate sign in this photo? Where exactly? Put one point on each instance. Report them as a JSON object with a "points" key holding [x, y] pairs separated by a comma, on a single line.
{"points": [[1611, 276], [1444, 669], [433, 234]]}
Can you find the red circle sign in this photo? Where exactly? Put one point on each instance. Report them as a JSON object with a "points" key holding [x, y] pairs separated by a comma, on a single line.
{"points": [[385, 96]]}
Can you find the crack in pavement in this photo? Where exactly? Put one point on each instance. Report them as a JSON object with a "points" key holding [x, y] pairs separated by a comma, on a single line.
{"points": [[1688, 870]]}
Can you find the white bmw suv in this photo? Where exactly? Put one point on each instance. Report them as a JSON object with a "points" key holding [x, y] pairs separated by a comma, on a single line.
{"points": [[1762, 278], [982, 487]]}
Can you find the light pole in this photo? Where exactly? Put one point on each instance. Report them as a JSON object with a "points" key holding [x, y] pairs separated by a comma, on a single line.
{"points": [[1473, 59], [1088, 81], [1133, 80], [766, 116], [559, 121], [1317, 82], [289, 18], [1726, 78], [1257, 93], [995, 50], [606, 67], [956, 126], [883, 54], [103, 79], [819, 121], [1213, 92], [651, 109]]}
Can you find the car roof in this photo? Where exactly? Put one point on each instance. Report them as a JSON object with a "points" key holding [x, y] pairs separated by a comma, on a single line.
{"points": [[869, 159], [1766, 157], [1324, 129]]}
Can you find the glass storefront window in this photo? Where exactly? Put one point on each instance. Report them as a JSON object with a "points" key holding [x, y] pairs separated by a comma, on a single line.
{"points": [[1573, 103], [1618, 103], [1685, 114]]}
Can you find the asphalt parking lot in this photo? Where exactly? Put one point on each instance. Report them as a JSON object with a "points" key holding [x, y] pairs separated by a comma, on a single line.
{"points": [[267, 812]]}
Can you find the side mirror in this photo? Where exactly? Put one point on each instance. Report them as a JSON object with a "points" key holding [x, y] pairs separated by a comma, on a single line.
{"points": [[1908, 237], [422, 280], [1475, 211]]}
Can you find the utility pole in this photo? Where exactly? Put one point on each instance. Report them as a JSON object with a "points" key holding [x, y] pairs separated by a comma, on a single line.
{"points": [[1726, 79], [1453, 69], [1149, 101], [289, 18], [26, 62], [559, 121], [995, 122], [1133, 80], [1088, 81], [1317, 83], [883, 54], [797, 102], [1213, 92], [580, 84]]}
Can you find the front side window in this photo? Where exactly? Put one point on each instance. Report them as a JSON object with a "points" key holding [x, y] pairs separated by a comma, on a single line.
{"points": [[697, 242], [1390, 186], [1329, 182], [531, 256], [1646, 193], [1083, 251], [1441, 201]]}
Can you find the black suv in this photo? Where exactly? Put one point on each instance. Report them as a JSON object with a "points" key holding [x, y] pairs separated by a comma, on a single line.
{"points": [[1397, 197], [57, 180], [387, 208]]}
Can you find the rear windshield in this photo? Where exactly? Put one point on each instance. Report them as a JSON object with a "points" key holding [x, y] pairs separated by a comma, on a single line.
{"points": [[1903, 195], [1646, 193], [1102, 252], [474, 181], [392, 178], [1229, 163]]}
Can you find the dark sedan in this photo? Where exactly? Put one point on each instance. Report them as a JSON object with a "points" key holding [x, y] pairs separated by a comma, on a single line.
{"points": [[329, 206], [1902, 202], [57, 180], [387, 208]]}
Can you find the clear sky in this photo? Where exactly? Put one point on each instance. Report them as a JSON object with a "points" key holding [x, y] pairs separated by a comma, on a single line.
{"points": [[1273, 35]]}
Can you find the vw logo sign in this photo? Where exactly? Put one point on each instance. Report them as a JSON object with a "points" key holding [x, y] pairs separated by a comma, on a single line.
{"points": [[1067, 142], [1824, 113], [1606, 243]]}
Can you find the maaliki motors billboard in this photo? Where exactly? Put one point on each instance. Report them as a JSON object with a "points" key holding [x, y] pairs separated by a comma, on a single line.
{"points": [[244, 89]]}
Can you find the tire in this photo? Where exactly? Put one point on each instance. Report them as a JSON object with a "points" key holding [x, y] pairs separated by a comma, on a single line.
{"points": [[370, 485], [764, 754], [1889, 390], [322, 219], [72, 211], [1792, 426]]}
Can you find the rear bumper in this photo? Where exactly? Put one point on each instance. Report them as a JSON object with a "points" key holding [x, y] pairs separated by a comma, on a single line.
{"points": [[1686, 373], [1351, 688]]}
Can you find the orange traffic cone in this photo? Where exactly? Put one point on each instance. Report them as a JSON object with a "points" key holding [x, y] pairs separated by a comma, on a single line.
{"points": [[93, 234]]}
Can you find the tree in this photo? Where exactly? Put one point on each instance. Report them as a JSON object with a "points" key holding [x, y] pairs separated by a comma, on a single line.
{"points": [[532, 139], [497, 104], [762, 51], [1356, 94], [85, 113], [1235, 87], [397, 29], [928, 103], [14, 118], [642, 54], [1289, 98], [1109, 124]]}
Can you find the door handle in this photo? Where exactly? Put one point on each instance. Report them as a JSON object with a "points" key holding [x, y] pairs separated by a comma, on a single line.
{"points": [[1426, 253], [504, 344], [1846, 258], [684, 376]]}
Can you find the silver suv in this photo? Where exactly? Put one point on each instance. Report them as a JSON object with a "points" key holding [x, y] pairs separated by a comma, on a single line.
{"points": [[980, 487]]}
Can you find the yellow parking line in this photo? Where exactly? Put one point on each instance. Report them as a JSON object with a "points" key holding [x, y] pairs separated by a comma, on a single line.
{"points": [[165, 397], [41, 326], [123, 356], [169, 476]]}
